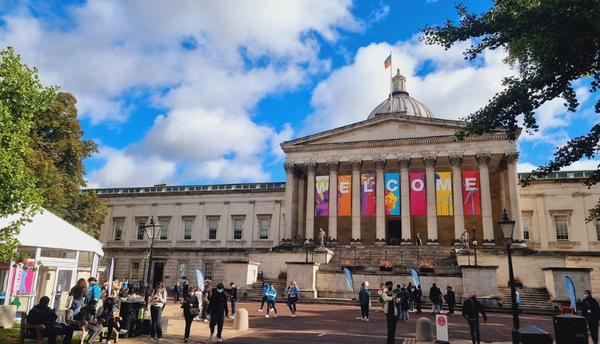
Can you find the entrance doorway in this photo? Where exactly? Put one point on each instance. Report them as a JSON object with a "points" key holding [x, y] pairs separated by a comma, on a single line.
{"points": [[394, 234], [158, 273]]}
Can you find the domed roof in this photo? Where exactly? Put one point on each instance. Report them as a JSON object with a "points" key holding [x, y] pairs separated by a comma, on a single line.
{"points": [[400, 102]]}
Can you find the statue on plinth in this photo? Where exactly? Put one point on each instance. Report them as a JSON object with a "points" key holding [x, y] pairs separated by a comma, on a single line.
{"points": [[464, 240], [418, 240], [321, 238]]}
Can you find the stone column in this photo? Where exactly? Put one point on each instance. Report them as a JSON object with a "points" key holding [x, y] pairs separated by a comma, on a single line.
{"points": [[513, 190], [311, 168], [432, 238], [457, 187], [483, 160], [289, 201], [300, 210], [379, 201], [356, 166], [333, 199], [404, 163]]}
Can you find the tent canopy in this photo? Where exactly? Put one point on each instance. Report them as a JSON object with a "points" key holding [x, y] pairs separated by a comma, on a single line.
{"points": [[49, 230]]}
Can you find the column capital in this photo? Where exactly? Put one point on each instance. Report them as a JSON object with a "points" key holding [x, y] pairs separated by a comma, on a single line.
{"points": [[289, 167], [455, 160], [429, 161], [333, 165], [356, 165], [311, 166], [483, 158], [379, 163], [298, 173], [511, 157], [502, 166], [404, 162]]}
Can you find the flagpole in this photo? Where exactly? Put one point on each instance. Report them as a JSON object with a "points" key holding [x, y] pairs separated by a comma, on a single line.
{"points": [[391, 68]]}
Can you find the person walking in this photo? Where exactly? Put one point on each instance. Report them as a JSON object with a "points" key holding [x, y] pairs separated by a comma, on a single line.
{"points": [[177, 292], [217, 305], [404, 306], [418, 293], [79, 293], [206, 293], [591, 312], [434, 296], [191, 308], [271, 296], [450, 299], [186, 287], [294, 295], [364, 300], [233, 295], [470, 311], [265, 287], [389, 309], [42, 314], [157, 303]]}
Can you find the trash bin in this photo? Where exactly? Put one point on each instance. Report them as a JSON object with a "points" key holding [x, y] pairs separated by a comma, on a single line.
{"points": [[570, 329], [535, 335], [129, 312]]}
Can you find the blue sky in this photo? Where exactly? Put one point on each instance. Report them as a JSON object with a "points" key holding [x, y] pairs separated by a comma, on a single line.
{"points": [[195, 92]]}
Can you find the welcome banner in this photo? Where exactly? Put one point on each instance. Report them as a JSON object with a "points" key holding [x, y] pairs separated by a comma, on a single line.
{"points": [[344, 207], [322, 195], [392, 194], [443, 193], [470, 192], [418, 196], [367, 194]]}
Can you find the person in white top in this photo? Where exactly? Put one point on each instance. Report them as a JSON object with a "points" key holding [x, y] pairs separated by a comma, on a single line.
{"points": [[157, 303]]}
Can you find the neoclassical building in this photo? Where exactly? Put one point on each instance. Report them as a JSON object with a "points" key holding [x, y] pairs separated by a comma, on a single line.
{"points": [[387, 181]]}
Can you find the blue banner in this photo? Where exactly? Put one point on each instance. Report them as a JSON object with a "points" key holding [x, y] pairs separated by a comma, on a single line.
{"points": [[571, 290], [415, 277], [392, 194], [200, 279], [349, 280]]}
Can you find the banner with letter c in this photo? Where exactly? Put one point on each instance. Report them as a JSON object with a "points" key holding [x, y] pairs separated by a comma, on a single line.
{"points": [[418, 195]]}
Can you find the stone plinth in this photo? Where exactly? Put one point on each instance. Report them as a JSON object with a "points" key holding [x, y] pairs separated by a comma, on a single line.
{"points": [[424, 331], [481, 280], [305, 275], [556, 283], [323, 255], [242, 273], [240, 320], [7, 316]]}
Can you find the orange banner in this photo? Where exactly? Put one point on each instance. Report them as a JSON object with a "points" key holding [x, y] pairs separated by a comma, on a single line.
{"points": [[344, 205]]}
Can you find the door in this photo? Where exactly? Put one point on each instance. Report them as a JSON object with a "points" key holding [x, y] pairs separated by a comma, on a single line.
{"points": [[394, 232], [158, 273], [62, 285]]}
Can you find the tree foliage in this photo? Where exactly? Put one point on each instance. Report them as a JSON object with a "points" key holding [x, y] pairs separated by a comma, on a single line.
{"points": [[21, 96], [551, 44], [57, 161]]}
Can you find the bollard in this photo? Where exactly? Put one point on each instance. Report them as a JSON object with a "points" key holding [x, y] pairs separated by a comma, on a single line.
{"points": [[424, 331], [240, 320]]}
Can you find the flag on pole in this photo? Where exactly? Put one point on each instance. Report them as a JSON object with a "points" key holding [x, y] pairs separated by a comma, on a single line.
{"points": [[388, 61], [110, 276], [415, 277], [200, 280], [349, 280], [571, 290]]}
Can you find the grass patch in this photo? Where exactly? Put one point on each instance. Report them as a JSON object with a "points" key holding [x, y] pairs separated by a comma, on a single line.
{"points": [[11, 335]]}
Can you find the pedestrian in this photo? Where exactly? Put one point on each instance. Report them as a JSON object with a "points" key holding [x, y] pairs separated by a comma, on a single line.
{"points": [[591, 312], [389, 309], [88, 314], [233, 295], [79, 293], [410, 290], [191, 308], [217, 305], [293, 296], [116, 288], [434, 297], [157, 302], [94, 290], [177, 292], [126, 284], [206, 293], [470, 311], [450, 299], [186, 287], [106, 316], [418, 293], [364, 299], [265, 287], [396, 291], [271, 296], [42, 314], [403, 295]]}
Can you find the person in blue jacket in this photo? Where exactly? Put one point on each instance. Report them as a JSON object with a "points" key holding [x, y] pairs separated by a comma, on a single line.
{"points": [[271, 296], [265, 287], [294, 293], [93, 289], [364, 299]]}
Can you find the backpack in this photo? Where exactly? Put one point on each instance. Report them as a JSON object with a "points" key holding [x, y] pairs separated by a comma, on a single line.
{"points": [[35, 317]]}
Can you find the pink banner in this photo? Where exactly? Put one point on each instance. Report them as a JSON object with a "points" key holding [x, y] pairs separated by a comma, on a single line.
{"points": [[367, 194], [470, 192], [418, 195], [22, 279]]}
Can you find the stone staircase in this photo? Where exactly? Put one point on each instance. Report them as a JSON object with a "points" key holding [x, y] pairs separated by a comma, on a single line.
{"points": [[533, 300], [255, 292]]}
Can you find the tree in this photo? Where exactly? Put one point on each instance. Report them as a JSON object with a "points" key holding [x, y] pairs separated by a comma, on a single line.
{"points": [[21, 96], [57, 161], [551, 44]]}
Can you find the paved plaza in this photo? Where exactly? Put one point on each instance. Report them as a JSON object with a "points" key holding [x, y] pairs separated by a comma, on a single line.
{"points": [[328, 324]]}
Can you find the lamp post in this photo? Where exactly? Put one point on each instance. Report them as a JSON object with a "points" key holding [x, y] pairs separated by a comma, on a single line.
{"points": [[306, 243], [152, 231], [507, 227], [475, 244], [145, 257]]}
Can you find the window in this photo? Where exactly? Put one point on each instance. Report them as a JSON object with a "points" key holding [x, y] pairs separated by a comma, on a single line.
{"points": [[118, 229], [141, 230], [164, 228], [187, 229], [135, 270], [598, 229], [238, 225], [213, 223], [183, 270], [525, 228], [263, 228], [208, 271], [562, 228]]}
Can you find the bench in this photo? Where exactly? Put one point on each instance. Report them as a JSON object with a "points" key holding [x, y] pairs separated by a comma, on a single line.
{"points": [[29, 331], [115, 332], [80, 327]]}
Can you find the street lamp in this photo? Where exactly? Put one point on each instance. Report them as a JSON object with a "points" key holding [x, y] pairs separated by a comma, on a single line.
{"points": [[145, 256], [507, 227], [475, 245], [152, 231], [306, 243]]}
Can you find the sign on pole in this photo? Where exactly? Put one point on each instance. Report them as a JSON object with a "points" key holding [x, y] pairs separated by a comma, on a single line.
{"points": [[441, 323]]}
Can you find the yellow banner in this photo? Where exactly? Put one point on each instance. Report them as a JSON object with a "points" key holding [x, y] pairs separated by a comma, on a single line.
{"points": [[443, 193]]}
